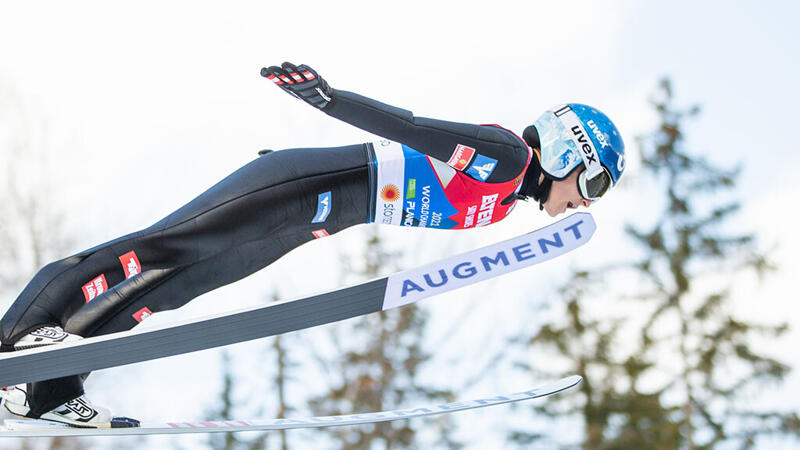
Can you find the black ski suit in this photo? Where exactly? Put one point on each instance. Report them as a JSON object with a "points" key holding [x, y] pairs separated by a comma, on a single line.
{"points": [[240, 225]]}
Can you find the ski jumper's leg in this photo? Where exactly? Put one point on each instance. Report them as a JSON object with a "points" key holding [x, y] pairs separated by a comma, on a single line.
{"points": [[274, 196], [286, 221], [240, 225]]}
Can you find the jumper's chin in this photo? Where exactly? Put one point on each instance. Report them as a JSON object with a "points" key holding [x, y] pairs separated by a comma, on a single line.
{"points": [[550, 209]]}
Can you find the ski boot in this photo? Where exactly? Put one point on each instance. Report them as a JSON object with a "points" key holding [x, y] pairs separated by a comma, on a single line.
{"points": [[46, 335], [78, 412]]}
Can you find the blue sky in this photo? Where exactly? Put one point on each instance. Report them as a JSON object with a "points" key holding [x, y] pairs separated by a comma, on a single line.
{"points": [[146, 106]]}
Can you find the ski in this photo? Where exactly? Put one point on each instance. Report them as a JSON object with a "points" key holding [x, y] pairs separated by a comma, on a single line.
{"points": [[396, 290], [40, 428]]}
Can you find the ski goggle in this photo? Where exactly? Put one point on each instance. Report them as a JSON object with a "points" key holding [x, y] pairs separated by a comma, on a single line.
{"points": [[595, 180], [592, 188]]}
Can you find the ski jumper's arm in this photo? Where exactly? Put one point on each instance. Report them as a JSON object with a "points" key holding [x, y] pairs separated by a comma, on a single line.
{"points": [[436, 138], [483, 149]]}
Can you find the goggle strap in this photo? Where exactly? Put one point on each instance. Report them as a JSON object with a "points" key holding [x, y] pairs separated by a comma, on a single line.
{"points": [[578, 134]]}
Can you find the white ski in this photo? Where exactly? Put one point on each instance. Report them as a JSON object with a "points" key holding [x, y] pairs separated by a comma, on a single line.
{"points": [[39, 428], [396, 290]]}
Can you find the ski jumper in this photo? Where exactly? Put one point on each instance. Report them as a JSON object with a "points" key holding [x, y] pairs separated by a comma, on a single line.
{"points": [[426, 173]]}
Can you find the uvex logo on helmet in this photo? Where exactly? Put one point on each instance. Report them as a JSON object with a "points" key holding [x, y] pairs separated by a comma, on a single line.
{"points": [[584, 144], [601, 138]]}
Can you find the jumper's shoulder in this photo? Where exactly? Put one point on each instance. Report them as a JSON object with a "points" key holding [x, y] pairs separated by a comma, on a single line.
{"points": [[510, 152], [503, 136]]}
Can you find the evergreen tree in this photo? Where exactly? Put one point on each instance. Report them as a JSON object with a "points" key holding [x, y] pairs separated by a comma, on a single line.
{"points": [[378, 369], [673, 369], [227, 410]]}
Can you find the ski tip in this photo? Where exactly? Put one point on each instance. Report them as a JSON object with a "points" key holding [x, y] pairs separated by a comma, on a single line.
{"points": [[573, 380], [564, 384], [583, 224], [587, 218]]}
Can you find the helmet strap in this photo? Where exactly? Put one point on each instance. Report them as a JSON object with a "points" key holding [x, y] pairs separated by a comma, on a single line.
{"points": [[544, 191], [530, 183]]}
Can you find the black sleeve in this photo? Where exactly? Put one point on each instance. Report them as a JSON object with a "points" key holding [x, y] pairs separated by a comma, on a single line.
{"points": [[436, 138]]}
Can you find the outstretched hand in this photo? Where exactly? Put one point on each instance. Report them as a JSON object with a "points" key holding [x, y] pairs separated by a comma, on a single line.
{"points": [[301, 81]]}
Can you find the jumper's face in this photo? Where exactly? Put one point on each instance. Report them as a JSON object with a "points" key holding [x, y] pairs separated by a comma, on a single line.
{"points": [[564, 195]]}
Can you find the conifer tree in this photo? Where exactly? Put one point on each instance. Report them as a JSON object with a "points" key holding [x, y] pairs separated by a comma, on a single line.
{"points": [[672, 365]]}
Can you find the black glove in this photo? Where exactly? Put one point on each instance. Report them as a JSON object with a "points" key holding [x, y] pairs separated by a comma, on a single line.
{"points": [[301, 81]]}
